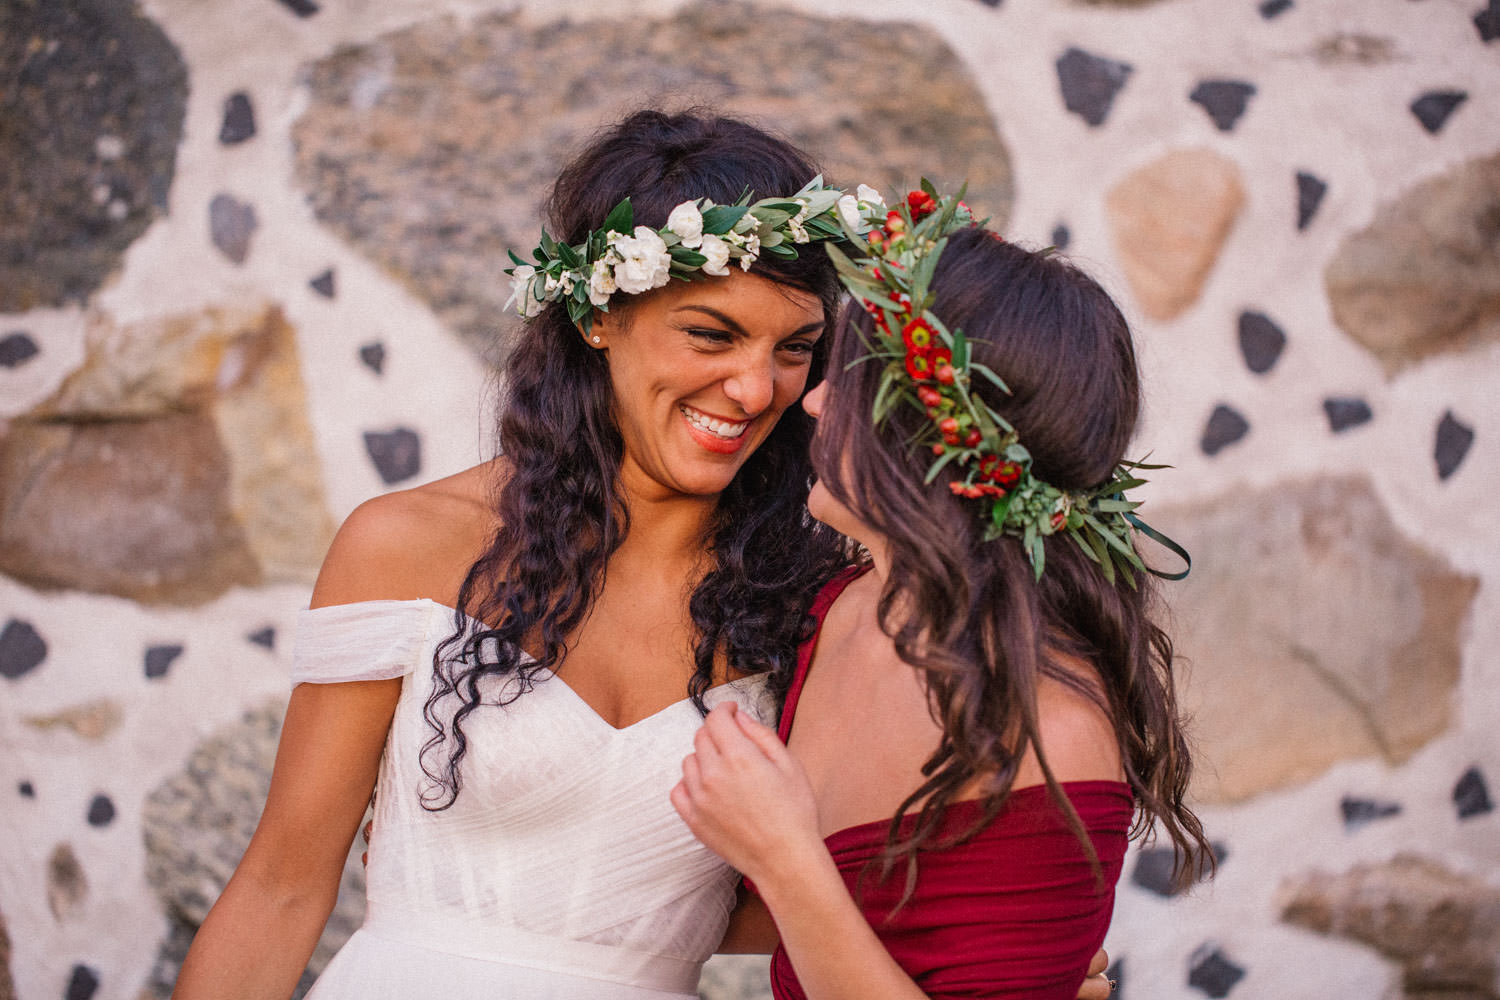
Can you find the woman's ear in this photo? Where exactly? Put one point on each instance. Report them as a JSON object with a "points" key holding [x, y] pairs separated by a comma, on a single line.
{"points": [[597, 335]]}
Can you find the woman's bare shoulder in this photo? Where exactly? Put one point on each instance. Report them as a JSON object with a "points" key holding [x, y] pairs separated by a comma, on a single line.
{"points": [[1076, 732], [411, 544]]}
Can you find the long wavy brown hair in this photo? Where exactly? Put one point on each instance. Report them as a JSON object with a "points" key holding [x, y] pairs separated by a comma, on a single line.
{"points": [[970, 613], [561, 510]]}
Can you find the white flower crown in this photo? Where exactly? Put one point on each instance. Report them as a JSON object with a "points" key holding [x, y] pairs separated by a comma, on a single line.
{"points": [[699, 236]]}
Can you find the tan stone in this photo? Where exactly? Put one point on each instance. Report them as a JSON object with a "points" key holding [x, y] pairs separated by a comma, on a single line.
{"points": [[430, 149], [93, 720], [1424, 277], [246, 462], [1442, 927], [138, 508], [66, 885], [1310, 632], [1170, 219]]}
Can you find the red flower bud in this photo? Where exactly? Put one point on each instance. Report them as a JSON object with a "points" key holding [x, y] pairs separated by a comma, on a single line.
{"points": [[894, 223], [945, 373], [973, 437], [938, 449], [921, 203], [1058, 520], [929, 396], [948, 425]]}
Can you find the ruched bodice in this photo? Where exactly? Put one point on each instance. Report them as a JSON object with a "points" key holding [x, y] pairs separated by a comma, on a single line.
{"points": [[561, 870]]}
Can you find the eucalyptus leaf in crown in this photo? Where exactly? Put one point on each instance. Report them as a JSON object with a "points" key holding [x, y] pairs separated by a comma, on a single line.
{"points": [[700, 238], [929, 367]]}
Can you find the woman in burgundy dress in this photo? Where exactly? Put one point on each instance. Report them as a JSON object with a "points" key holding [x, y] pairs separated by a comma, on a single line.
{"points": [[987, 713]]}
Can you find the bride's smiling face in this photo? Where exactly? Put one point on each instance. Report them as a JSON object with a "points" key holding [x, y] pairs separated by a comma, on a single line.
{"points": [[701, 372]]}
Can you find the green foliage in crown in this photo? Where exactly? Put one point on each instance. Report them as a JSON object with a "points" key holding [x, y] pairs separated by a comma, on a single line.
{"points": [[930, 367], [700, 238]]}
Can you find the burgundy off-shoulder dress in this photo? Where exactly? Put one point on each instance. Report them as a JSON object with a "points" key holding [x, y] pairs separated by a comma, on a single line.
{"points": [[1016, 911]]}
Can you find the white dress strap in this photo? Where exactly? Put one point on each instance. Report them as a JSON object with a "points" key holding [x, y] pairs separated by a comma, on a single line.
{"points": [[367, 641]]}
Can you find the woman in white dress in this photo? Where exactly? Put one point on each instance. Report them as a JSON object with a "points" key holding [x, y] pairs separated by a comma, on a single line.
{"points": [[519, 655]]}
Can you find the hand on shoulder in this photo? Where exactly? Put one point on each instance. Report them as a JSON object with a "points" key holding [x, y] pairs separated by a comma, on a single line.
{"points": [[411, 544]]}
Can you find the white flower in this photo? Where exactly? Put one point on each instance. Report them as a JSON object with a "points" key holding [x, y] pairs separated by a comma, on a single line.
{"points": [[644, 262], [717, 252], [687, 222], [520, 289], [601, 284], [747, 261], [848, 207], [869, 195]]}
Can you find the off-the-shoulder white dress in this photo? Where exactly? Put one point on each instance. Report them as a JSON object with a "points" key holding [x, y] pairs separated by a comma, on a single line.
{"points": [[561, 871]]}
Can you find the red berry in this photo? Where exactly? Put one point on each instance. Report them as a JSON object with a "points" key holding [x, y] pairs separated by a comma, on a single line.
{"points": [[938, 449], [948, 425], [973, 437], [945, 374]]}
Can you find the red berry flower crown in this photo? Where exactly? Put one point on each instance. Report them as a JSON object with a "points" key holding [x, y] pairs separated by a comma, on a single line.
{"points": [[929, 367]]}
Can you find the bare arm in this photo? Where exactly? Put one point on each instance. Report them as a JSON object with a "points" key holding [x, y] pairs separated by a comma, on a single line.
{"points": [[261, 932], [258, 937]]}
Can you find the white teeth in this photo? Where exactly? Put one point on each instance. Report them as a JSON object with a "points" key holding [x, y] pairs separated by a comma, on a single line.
{"points": [[718, 428]]}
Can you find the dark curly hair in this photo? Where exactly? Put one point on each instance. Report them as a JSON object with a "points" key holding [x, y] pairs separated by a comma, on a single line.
{"points": [[560, 510], [969, 613]]}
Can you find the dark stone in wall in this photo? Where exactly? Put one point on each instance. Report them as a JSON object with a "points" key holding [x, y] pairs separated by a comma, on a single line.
{"points": [[82, 984], [323, 284], [1061, 236], [1434, 108], [159, 659], [22, 649], [1487, 21], [1274, 8], [27, 790], [265, 637], [397, 454], [1452, 445], [93, 106], [239, 119], [1213, 973], [1310, 192], [302, 8], [1471, 796], [1261, 341], [1090, 83], [439, 170], [17, 348], [1225, 427], [231, 224], [1224, 100], [373, 357], [1344, 413], [101, 811], [1361, 812], [1153, 869]]}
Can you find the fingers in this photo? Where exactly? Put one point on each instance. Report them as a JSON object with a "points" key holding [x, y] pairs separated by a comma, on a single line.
{"points": [[1099, 962], [764, 738], [1095, 987]]}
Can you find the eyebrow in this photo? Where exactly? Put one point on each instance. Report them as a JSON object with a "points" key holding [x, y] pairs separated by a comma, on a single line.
{"points": [[730, 322]]}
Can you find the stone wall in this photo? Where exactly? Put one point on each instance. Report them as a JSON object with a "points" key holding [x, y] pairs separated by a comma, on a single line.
{"points": [[249, 276]]}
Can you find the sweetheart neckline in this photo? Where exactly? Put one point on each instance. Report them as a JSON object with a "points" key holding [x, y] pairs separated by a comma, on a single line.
{"points": [[549, 673]]}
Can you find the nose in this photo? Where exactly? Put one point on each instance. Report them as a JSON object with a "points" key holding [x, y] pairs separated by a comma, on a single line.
{"points": [[813, 401], [752, 386]]}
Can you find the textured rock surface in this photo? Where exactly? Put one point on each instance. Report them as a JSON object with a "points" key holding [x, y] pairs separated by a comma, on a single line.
{"points": [[1358, 659], [1441, 927], [1169, 219], [175, 463], [67, 887], [430, 149], [138, 508], [197, 825], [1424, 277], [92, 720], [95, 111]]}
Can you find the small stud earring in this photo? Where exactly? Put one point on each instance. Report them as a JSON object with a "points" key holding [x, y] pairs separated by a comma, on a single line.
{"points": [[596, 338]]}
